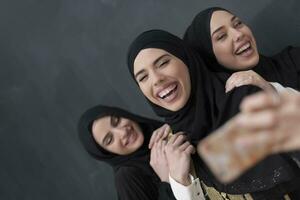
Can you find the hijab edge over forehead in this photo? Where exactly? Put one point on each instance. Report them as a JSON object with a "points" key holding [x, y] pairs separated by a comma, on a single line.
{"points": [[154, 38], [198, 32]]}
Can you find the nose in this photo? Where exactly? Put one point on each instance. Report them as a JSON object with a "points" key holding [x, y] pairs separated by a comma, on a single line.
{"points": [[158, 78], [122, 133], [236, 34]]}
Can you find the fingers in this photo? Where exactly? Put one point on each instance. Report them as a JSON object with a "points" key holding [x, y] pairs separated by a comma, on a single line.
{"points": [[190, 149], [153, 155], [184, 146], [187, 147], [178, 143], [174, 137], [235, 81], [249, 77], [159, 133], [157, 151], [179, 140], [166, 132], [260, 101], [238, 79]]}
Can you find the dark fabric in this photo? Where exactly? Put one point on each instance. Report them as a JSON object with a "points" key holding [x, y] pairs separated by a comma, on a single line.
{"points": [[278, 192], [134, 177], [283, 67], [207, 109], [133, 184]]}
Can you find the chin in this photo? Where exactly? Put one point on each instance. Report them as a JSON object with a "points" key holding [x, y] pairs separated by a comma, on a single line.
{"points": [[176, 106]]}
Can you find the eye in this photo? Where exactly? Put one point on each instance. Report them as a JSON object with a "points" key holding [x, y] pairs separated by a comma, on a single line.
{"points": [[109, 139], [114, 121], [221, 36], [163, 63], [143, 78], [237, 23]]}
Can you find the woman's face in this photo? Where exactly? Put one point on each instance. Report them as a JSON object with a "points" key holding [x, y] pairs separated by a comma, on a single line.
{"points": [[117, 135], [233, 42], [163, 78]]}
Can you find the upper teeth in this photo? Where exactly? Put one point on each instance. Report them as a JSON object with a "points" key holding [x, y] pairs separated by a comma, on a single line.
{"points": [[166, 91], [243, 48]]}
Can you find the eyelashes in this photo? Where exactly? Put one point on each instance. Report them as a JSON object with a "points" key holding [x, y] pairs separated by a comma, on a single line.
{"points": [[161, 64], [236, 24], [221, 36], [114, 122], [109, 139], [143, 78]]}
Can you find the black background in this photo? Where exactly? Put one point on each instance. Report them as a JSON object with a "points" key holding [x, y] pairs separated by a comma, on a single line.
{"points": [[59, 57]]}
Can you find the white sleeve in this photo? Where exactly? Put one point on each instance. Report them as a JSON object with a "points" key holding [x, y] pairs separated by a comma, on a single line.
{"points": [[279, 88], [190, 192]]}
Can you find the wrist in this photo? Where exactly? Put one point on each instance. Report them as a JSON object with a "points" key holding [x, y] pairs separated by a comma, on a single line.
{"points": [[184, 180], [164, 179]]}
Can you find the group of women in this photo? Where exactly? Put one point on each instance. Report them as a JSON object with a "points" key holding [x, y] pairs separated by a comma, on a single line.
{"points": [[197, 85]]}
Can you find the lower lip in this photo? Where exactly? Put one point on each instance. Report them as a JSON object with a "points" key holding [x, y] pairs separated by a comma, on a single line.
{"points": [[172, 97]]}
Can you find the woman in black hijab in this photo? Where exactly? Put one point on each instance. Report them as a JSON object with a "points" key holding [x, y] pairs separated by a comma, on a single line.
{"points": [[228, 45], [191, 98], [134, 177]]}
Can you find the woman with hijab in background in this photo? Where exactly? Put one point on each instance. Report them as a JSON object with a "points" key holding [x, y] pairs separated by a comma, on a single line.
{"points": [[180, 88], [121, 139], [228, 46]]}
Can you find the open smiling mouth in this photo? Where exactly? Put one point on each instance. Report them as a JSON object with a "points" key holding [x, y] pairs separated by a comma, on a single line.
{"points": [[131, 138], [244, 50], [168, 94]]}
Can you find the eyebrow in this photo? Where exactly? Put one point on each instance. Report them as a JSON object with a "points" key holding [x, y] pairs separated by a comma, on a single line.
{"points": [[154, 63], [218, 29], [233, 18]]}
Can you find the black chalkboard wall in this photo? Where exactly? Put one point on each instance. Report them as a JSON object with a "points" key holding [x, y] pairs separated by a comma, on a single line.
{"points": [[59, 57]]}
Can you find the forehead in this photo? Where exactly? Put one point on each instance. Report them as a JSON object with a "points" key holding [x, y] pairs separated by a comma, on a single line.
{"points": [[146, 57], [100, 127], [220, 18]]}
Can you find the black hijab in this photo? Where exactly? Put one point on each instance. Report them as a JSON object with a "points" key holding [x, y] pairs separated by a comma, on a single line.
{"points": [[208, 108], [134, 177], [283, 67]]}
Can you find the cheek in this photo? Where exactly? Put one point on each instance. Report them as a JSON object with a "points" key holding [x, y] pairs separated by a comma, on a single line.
{"points": [[116, 148], [139, 141], [146, 90], [223, 54], [222, 49], [185, 76]]}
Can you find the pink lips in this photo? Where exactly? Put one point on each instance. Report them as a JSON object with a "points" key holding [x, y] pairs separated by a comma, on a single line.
{"points": [[168, 92], [131, 137], [241, 45], [247, 51]]}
